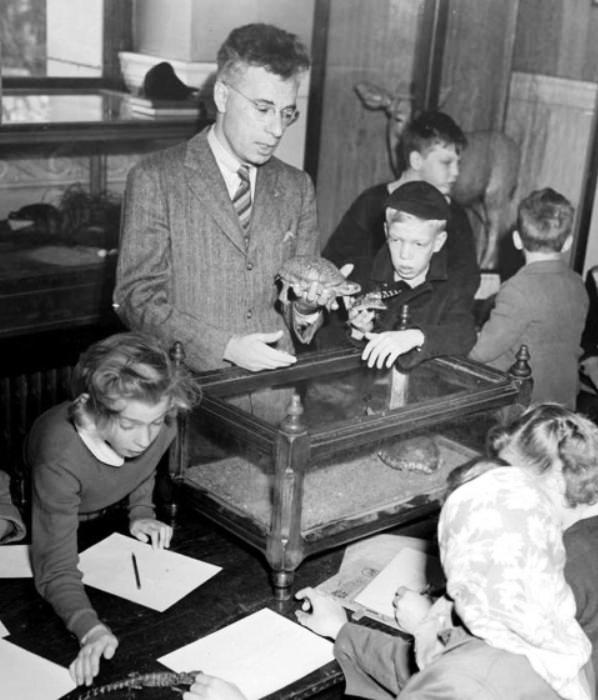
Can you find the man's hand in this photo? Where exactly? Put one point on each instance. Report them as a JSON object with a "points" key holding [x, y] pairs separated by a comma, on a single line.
{"points": [[152, 530], [212, 688], [326, 616], [384, 348], [98, 642], [319, 295], [411, 608], [253, 352]]}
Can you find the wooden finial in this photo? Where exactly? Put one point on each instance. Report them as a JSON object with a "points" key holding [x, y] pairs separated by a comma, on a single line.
{"points": [[404, 320], [292, 422], [521, 368], [521, 373], [177, 353]]}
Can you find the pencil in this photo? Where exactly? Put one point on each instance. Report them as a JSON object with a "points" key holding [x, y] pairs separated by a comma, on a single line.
{"points": [[136, 570]]}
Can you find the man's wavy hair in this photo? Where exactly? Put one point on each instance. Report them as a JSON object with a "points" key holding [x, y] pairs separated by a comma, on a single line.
{"points": [[128, 366], [548, 434], [263, 45]]}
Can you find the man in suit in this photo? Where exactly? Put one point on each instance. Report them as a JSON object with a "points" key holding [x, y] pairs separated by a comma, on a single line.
{"points": [[208, 223]]}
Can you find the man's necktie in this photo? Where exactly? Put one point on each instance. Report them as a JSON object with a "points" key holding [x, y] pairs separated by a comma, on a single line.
{"points": [[242, 198]]}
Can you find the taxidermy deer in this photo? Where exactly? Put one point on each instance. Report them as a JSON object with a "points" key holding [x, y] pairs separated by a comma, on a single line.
{"points": [[488, 168]]}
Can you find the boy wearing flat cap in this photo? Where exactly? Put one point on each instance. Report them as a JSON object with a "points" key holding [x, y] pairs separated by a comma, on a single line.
{"points": [[413, 265]]}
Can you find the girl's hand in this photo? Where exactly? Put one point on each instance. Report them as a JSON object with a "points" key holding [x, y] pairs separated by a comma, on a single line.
{"points": [[150, 529], [411, 608], [320, 613], [98, 642]]}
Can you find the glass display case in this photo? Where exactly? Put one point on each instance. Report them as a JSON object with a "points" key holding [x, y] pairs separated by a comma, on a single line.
{"points": [[298, 460]]}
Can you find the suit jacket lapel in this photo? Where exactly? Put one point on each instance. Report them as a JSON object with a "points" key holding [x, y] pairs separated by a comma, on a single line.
{"points": [[207, 184]]}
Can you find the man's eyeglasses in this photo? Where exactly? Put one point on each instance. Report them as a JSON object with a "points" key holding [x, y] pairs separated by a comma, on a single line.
{"points": [[266, 110]]}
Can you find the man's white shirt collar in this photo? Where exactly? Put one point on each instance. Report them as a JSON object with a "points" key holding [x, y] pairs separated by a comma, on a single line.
{"points": [[229, 165]]}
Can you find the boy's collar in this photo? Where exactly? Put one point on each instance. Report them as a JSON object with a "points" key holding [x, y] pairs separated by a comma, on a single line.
{"points": [[383, 270]]}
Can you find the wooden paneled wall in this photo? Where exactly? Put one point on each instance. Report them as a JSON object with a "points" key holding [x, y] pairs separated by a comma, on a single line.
{"points": [[374, 41], [557, 38], [477, 62], [551, 119]]}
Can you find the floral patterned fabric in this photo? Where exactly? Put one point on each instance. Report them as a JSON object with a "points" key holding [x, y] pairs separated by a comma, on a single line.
{"points": [[502, 552]]}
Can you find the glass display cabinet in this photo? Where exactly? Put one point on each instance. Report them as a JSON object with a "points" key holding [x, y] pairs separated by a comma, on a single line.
{"points": [[296, 461]]}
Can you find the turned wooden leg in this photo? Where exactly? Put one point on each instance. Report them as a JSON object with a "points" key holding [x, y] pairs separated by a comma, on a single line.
{"points": [[282, 583]]}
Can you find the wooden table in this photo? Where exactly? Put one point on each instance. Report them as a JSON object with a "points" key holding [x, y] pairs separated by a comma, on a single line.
{"points": [[240, 589]]}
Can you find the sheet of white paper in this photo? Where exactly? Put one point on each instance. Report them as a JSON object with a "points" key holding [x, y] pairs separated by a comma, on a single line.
{"points": [[260, 653], [165, 576], [411, 568], [3, 631], [26, 675], [14, 561]]}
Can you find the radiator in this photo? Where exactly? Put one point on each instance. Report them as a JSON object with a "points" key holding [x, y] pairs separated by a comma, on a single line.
{"points": [[23, 398]]}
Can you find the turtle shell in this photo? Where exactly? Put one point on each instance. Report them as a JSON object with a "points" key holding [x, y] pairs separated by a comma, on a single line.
{"points": [[311, 268], [301, 271], [416, 454]]}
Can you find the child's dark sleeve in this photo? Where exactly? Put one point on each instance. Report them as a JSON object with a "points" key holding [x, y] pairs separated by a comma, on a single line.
{"points": [[451, 333], [505, 326]]}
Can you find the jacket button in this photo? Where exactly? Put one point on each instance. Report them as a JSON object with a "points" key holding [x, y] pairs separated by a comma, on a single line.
{"points": [[249, 313], [250, 266]]}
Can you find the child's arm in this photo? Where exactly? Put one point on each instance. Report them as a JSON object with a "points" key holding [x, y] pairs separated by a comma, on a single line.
{"points": [[54, 526], [508, 319], [142, 521]]}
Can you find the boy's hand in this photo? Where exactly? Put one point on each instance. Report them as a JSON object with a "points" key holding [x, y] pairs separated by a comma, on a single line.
{"points": [[149, 529], [326, 617], [98, 642], [411, 608], [361, 320], [212, 688], [384, 348]]}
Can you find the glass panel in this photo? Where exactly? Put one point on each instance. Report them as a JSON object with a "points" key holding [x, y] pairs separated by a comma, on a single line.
{"points": [[394, 475], [354, 485], [234, 473], [349, 394], [30, 108]]}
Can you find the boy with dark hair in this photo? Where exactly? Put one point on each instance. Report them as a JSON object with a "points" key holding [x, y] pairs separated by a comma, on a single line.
{"points": [[543, 306], [414, 265], [431, 147]]}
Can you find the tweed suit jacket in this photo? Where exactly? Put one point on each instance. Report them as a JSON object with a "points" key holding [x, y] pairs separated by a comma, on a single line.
{"points": [[184, 272], [543, 306]]}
